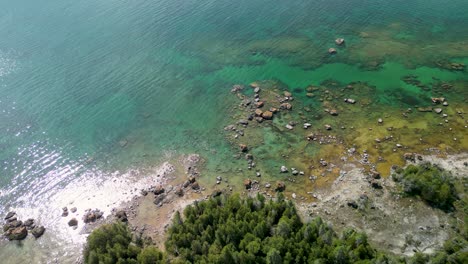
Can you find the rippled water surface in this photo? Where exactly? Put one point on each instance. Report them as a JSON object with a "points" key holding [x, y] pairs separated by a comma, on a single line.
{"points": [[94, 92]]}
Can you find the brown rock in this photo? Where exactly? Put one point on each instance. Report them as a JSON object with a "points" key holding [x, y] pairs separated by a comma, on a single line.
{"points": [[425, 109], [286, 106], [333, 112], [287, 94], [267, 115], [243, 147], [258, 112], [179, 192], [247, 184], [259, 104], [18, 233], [375, 174], [195, 186], [158, 190], [121, 216], [280, 186], [409, 156], [438, 100]]}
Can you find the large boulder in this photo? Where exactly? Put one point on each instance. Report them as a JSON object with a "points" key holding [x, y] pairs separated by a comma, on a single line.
{"points": [[18, 233]]}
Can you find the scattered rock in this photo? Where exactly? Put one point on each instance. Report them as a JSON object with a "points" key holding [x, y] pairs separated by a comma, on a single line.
{"points": [[10, 215], [258, 112], [376, 185], [438, 100], [307, 125], [339, 41], [73, 222], [380, 120], [333, 112], [438, 110], [158, 190], [267, 185], [121, 216], [284, 169], [195, 186], [123, 143], [294, 195], [237, 88], [425, 109], [242, 122], [409, 156], [257, 90], [287, 94], [65, 212], [267, 115], [375, 174], [286, 106], [328, 127], [73, 209], [352, 204], [350, 101], [29, 222], [92, 215], [280, 186], [243, 147], [179, 192], [247, 184], [288, 126], [332, 51], [259, 104], [38, 231]]}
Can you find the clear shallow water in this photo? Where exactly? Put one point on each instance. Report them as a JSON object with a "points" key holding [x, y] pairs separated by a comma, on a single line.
{"points": [[80, 78]]}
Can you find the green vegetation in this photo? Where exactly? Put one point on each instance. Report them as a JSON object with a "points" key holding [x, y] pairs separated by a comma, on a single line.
{"points": [[234, 230], [430, 182], [228, 229], [113, 243]]}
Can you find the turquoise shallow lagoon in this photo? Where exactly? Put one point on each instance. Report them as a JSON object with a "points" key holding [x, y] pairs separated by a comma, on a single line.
{"points": [[97, 89]]}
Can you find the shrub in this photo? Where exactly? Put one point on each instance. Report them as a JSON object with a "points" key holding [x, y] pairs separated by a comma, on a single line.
{"points": [[431, 183]]}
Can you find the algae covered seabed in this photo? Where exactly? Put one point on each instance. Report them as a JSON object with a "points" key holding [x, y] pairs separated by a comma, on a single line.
{"points": [[96, 96]]}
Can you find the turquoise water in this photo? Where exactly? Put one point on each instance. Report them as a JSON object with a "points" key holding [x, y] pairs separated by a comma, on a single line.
{"points": [[91, 88]]}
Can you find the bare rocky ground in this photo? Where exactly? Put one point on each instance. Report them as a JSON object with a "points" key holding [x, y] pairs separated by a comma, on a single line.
{"points": [[150, 214], [394, 223], [401, 225]]}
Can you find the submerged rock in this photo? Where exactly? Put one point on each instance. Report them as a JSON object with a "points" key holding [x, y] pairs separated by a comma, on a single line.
{"points": [[339, 41], [350, 101], [332, 51]]}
